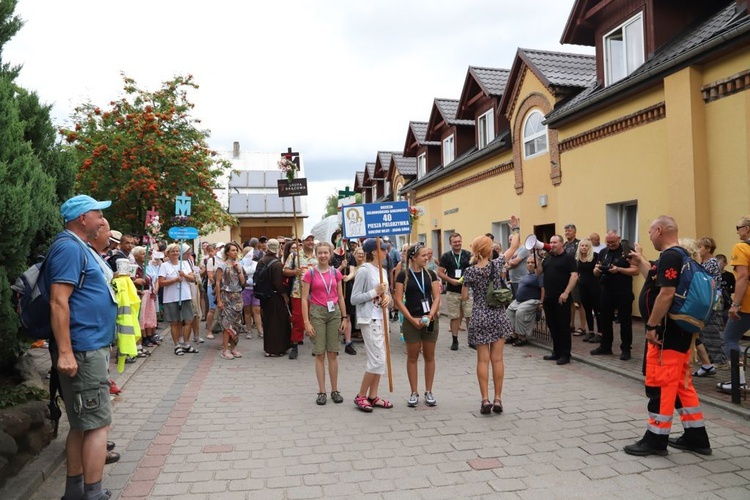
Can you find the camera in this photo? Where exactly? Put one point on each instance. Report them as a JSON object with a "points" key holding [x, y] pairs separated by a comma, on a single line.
{"points": [[604, 268]]}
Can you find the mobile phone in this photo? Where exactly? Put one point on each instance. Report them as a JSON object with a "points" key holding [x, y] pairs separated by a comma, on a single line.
{"points": [[431, 327]]}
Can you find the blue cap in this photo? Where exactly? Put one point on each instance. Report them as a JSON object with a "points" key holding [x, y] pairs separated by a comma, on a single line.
{"points": [[371, 244], [77, 205]]}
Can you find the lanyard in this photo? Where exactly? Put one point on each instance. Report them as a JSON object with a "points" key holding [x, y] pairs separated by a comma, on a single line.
{"points": [[328, 286], [421, 285], [457, 259]]}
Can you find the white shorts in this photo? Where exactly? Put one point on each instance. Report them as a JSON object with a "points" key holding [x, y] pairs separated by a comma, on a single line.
{"points": [[374, 338]]}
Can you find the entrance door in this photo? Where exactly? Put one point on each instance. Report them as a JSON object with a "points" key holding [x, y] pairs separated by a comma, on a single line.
{"points": [[544, 232]]}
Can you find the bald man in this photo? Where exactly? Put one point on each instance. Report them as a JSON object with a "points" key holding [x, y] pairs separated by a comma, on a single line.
{"points": [[668, 381]]}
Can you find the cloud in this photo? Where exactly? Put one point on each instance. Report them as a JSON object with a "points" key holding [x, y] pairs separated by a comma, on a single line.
{"points": [[336, 80]]}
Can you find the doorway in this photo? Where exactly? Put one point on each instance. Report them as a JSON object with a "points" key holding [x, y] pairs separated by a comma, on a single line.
{"points": [[544, 232]]}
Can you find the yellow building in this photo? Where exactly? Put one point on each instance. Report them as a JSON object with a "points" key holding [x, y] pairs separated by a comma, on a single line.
{"points": [[656, 122]]}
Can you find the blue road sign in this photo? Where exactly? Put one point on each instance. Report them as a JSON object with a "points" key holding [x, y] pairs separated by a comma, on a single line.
{"points": [[376, 219], [183, 233]]}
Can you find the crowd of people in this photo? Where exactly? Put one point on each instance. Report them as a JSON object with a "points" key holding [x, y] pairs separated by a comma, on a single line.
{"points": [[289, 290]]}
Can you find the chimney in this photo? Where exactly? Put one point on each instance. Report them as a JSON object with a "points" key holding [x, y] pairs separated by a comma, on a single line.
{"points": [[236, 150]]}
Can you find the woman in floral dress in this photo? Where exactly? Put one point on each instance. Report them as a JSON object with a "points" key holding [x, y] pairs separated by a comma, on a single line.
{"points": [[230, 280], [489, 327]]}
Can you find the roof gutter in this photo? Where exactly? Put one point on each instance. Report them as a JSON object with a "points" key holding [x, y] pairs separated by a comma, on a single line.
{"points": [[631, 86]]}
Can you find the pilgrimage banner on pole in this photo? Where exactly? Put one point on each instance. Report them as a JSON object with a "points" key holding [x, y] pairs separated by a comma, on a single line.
{"points": [[370, 220]]}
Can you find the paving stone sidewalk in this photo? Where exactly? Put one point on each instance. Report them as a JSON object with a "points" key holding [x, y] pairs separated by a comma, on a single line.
{"points": [[198, 426]]}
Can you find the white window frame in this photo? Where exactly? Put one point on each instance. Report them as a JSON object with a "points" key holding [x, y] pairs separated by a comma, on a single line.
{"points": [[485, 129], [421, 165], [623, 217], [374, 191], [396, 194], [449, 150], [631, 62], [386, 187], [534, 136]]}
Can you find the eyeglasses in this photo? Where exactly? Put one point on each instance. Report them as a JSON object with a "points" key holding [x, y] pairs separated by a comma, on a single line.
{"points": [[740, 227]]}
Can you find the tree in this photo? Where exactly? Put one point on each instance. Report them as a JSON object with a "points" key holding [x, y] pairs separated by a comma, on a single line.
{"points": [[332, 203], [35, 176], [142, 151]]}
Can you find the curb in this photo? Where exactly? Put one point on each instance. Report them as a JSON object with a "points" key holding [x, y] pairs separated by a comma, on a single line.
{"points": [[23, 485], [705, 398]]}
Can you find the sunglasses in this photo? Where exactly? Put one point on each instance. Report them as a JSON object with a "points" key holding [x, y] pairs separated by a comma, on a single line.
{"points": [[739, 227]]}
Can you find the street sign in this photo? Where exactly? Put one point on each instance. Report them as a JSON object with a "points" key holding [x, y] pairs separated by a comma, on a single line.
{"points": [[293, 187], [183, 233], [376, 219]]}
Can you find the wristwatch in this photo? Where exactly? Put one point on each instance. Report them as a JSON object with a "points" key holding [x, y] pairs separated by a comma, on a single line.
{"points": [[651, 327], [736, 305]]}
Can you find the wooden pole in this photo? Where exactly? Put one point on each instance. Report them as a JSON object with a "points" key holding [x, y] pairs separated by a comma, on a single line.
{"points": [[385, 325], [296, 236]]}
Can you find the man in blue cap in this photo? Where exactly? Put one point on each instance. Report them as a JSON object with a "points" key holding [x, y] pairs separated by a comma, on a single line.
{"points": [[82, 316]]}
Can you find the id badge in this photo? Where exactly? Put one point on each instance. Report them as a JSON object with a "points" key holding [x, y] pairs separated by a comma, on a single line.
{"points": [[458, 274], [331, 306], [425, 306]]}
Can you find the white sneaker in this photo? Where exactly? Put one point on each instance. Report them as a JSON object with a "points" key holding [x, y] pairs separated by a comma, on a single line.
{"points": [[429, 399], [413, 400], [248, 336]]}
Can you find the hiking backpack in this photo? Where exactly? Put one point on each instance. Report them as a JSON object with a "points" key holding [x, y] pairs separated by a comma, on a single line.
{"points": [[262, 286], [32, 297], [695, 297]]}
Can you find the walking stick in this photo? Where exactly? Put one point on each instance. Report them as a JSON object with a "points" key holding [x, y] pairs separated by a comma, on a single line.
{"points": [[385, 326]]}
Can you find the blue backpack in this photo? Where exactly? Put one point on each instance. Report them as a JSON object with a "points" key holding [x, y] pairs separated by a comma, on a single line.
{"points": [[695, 298], [32, 297]]}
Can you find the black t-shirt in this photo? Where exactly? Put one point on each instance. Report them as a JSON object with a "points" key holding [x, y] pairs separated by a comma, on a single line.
{"points": [[618, 280], [557, 270], [336, 260], [586, 272], [413, 292], [664, 272], [571, 246], [448, 262]]}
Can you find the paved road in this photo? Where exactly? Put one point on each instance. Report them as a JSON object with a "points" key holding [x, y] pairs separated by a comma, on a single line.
{"points": [[198, 426]]}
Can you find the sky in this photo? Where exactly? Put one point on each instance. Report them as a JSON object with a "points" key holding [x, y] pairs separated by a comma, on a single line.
{"points": [[335, 80]]}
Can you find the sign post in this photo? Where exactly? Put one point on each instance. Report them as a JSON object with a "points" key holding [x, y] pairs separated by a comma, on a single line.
{"points": [[373, 220], [182, 207], [291, 186]]}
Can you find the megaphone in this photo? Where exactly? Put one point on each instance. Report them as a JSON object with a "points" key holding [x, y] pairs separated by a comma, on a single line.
{"points": [[532, 243]]}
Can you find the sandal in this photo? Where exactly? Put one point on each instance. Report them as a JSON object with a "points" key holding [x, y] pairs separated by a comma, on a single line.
{"points": [[210, 336], [189, 348], [578, 332], [236, 354], [337, 397], [363, 404], [227, 355], [376, 402], [179, 351], [497, 406], [520, 342], [486, 407], [321, 398], [143, 353]]}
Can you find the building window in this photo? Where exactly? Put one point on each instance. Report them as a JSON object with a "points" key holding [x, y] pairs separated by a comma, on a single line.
{"points": [[397, 193], [448, 151], [485, 129], [386, 187], [534, 135], [623, 217], [421, 165], [623, 50], [374, 192]]}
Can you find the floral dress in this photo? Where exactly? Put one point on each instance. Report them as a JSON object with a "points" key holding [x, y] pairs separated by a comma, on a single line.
{"points": [[231, 296], [487, 324]]}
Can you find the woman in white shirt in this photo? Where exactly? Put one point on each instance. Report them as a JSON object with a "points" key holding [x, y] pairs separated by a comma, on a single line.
{"points": [[175, 278]]}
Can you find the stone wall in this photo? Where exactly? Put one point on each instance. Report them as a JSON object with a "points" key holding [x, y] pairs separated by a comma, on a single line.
{"points": [[24, 431]]}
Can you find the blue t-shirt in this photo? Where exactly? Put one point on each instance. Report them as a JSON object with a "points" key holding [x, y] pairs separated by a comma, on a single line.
{"points": [[93, 311]]}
